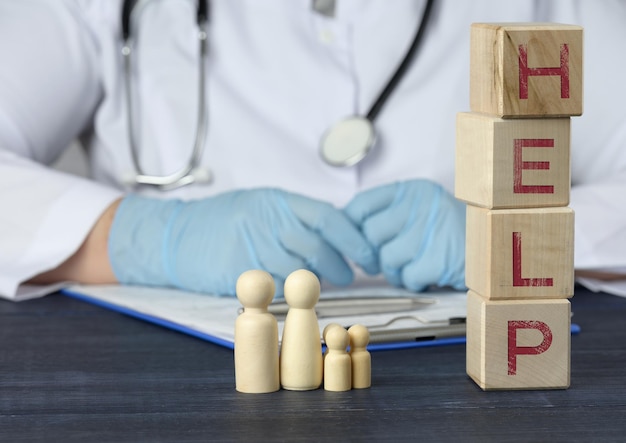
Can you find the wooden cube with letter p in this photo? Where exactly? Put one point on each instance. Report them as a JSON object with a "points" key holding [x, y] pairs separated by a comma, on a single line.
{"points": [[520, 253], [526, 69], [518, 344], [519, 163]]}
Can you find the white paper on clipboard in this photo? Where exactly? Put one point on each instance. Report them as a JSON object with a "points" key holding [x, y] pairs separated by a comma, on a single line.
{"points": [[442, 315]]}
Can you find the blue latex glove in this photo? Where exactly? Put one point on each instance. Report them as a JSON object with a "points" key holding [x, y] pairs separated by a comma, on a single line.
{"points": [[419, 231], [204, 245]]}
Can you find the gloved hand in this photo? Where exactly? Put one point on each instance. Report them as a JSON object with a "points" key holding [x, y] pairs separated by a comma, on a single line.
{"points": [[204, 245], [418, 230]]}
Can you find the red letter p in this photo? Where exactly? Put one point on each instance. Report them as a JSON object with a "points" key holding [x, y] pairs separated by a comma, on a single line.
{"points": [[515, 350]]}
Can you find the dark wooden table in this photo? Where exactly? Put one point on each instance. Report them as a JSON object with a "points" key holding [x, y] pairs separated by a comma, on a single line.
{"points": [[70, 371]]}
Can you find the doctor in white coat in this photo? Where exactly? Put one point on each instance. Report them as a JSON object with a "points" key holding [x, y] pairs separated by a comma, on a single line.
{"points": [[277, 74]]}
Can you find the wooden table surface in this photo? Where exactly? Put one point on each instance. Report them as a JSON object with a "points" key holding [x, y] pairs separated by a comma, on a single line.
{"points": [[70, 371]]}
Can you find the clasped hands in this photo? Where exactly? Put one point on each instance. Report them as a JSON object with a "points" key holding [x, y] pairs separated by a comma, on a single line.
{"points": [[413, 232]]}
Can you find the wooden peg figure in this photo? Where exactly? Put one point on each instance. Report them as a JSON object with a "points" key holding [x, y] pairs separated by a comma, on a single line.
{"points": [[256, 335], [361, 358], [337, 362], [325, 333], [301, 362]]}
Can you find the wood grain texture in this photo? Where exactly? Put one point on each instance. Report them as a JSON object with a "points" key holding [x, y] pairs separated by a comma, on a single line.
{"points": [[520, 253], [73, 372], [521, 163], [518, 344], [508, 75]]}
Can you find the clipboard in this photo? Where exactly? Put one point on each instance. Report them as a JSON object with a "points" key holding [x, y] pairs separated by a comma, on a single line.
{"points": [[396, 318]]}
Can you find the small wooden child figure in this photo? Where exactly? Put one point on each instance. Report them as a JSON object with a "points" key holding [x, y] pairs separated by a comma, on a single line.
{"points": [[361, 359], [337, 362], [325, 333], [301, 363], [256, 335]]}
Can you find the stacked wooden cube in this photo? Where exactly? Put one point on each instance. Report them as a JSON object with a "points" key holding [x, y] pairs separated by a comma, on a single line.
{"points": [[513, 170]]}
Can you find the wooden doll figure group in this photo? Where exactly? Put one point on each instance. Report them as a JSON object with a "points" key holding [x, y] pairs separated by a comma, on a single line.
{"points": [[300, 364], [343, 370]]}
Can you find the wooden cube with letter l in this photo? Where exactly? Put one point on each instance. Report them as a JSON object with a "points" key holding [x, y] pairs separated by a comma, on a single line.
{"points": [[518, 344], [520, 163], [526, 69], [520, 253]]}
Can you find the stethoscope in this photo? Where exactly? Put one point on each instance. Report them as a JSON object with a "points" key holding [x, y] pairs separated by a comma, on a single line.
{"points": [[345, 144]]}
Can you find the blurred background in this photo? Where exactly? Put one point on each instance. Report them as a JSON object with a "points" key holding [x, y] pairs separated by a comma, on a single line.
{"points": [[73, 160]]}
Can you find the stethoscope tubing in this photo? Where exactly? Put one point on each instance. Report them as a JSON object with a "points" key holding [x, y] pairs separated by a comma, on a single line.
{"points": [[185, 175], [404, 65]]}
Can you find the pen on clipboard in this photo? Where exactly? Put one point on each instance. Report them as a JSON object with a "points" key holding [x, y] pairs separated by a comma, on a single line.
{"points": [[426, 331], [340, 307]]}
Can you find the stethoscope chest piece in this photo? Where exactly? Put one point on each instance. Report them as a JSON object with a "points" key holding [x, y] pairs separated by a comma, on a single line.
{"points": [[348, 142]]}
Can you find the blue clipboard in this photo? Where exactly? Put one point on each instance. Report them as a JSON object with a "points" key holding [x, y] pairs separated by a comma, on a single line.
{"points": [[142, 304]]}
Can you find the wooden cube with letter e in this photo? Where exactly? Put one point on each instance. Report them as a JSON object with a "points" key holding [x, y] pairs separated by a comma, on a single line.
{"points": [[518, 344], [521, 163], [526, 70]]}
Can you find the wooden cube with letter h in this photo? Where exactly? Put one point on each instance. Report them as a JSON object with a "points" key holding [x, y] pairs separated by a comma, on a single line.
{"points": [[526, 70], [518, 344]]}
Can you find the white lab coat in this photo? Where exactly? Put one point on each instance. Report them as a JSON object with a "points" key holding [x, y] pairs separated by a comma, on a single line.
{"points": [[278, 75]]}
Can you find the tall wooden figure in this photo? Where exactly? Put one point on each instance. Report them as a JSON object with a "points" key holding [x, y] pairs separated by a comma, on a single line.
{"points": [[256, 335], [301, 362]]}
